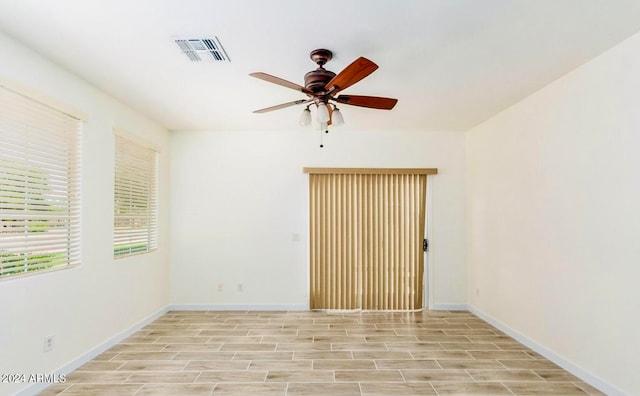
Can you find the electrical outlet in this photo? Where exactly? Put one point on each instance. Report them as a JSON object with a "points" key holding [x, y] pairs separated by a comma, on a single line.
{"points": [[240, 287], [220, 287], [48, 343], [477, 291]]}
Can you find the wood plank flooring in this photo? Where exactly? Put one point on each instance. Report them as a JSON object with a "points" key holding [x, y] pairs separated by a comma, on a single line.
{"points": [[317, 353]]}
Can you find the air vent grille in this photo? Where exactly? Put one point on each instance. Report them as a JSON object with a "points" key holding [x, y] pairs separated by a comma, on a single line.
{"points": [[203, 49]]}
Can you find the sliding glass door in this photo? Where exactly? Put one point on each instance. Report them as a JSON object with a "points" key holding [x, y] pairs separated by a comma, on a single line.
{"points": [[366, 233]]}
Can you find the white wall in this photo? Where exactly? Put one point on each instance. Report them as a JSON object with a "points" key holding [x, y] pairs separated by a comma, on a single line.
{"points": [[238, 199], [554, 218], [84, 306]]}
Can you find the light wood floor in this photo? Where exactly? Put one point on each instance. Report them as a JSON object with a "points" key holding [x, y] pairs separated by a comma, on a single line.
{"points": [[314, 353]]}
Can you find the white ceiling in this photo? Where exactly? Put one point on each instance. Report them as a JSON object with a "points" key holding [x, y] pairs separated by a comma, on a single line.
{"points": [[451, 63]]}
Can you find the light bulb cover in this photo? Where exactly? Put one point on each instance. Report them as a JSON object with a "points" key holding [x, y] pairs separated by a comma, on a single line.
{"points": [[337, 119], [305, 117], [323, 113]]}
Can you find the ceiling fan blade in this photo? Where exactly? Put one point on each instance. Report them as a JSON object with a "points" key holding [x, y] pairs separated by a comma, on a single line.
{"points": [[374, 102], [356, 71], [280, 81], [282, 106]]}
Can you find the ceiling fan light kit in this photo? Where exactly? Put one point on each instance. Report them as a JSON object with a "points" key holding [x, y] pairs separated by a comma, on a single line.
{"points": [[323, 113], [305, 117], [336, 117], [322, 87]]}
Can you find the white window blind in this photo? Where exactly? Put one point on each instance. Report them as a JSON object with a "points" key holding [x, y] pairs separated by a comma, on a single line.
{"points": [[39, 186], [135, 197]]}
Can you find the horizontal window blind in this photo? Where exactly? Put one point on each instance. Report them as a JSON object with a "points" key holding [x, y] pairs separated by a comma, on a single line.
{"points": [[39, 186], [135, 197]]}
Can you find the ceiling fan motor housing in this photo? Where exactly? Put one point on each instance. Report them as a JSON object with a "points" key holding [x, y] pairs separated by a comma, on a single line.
{"points": [[316, 80]]}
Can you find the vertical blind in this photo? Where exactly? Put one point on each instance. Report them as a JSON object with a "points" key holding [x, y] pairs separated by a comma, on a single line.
{"points": [[135, 197], [39, 186], [366, 233]]}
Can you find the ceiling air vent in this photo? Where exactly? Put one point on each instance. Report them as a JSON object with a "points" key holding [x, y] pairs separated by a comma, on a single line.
{"points": [[203, 49]]}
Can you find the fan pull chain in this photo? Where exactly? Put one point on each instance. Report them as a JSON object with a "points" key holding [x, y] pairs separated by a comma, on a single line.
{"points": [[326, 130]]}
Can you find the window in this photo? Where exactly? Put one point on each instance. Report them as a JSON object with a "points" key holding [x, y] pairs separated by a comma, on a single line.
{"points": [[39, 185], [135, 197]]}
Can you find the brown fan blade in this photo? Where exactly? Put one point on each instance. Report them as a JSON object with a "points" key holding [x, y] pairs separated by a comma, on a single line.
{"points": [[356, 71], [282, 106], [373, 102], [280, 81]]}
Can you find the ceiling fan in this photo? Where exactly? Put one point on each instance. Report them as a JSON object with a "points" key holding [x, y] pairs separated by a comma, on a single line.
{"points": [[322, 87]]}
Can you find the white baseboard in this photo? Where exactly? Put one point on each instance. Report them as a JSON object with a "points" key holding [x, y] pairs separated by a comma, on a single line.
{"points": [[90, 355], [449, 307], [238, 307], [549, 354]]}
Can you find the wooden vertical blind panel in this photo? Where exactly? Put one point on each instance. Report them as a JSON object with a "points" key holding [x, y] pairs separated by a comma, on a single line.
{"points": [[366, 241], [334, 275]]}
